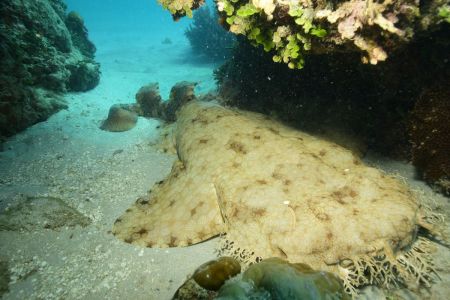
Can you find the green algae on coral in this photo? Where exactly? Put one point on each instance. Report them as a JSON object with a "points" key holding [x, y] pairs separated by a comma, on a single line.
{"points": [[370, 27], [444, 13]]}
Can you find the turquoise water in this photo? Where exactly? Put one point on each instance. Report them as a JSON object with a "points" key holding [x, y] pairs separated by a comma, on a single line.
{"points": [[115, 19], [129, 37], [64, 182]]}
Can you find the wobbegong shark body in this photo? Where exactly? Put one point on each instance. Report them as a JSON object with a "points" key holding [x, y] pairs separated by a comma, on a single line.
{"points": [[274, 191]]}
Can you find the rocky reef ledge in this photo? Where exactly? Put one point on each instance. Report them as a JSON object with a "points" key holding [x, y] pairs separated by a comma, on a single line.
{"points": [[45, 52]]}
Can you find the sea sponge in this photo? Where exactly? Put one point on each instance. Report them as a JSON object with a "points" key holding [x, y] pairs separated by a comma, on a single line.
{"points": [[120, 118], [273, 191]]}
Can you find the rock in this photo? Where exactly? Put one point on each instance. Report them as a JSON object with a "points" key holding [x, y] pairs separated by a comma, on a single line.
{"points": [[275, 278], [4, 277], [208, 279], [429, 131], [44, 53], [120, 118], [84, 76], [75, 25], [34, 213], [271, 278], [35, 105], [190, 290], [213, 274]]}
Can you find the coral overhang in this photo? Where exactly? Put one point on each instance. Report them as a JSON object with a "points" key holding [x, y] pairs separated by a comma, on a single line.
{"points": [[293, 28]]}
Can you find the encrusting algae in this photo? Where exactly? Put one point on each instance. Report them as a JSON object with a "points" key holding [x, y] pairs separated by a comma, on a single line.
{"points": [[272, 191]]}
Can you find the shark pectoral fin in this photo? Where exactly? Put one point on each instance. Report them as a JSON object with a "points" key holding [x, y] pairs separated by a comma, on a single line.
{"points": [[181, 211]]}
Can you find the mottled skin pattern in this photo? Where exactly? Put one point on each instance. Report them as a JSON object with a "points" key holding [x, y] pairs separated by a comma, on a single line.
{"points": [[274, 191]]}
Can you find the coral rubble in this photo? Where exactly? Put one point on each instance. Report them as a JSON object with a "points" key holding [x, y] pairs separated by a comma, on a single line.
{"points": [[44, 53], [278, 192]]}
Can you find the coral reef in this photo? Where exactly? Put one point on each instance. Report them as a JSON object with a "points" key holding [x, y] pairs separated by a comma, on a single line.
{"points": [[22, 106], [336, 91], [149, 101], [44, 54], [180, 94], [150, 104], [120, 118], [181, 8], [84, 76], [245, 174], [79, 34], [293, 28], [208, 39], [429, 131], [4, 277]]}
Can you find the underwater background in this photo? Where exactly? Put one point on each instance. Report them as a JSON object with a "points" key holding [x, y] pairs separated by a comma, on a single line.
{"points": [[89, 95]]}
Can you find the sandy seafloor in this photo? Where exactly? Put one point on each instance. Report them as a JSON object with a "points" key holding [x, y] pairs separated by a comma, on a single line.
{"points": [[58, 172], [99, 174]]}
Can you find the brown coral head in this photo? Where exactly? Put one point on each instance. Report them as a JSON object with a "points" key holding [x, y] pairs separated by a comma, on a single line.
{"points": [[120, 118]]}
